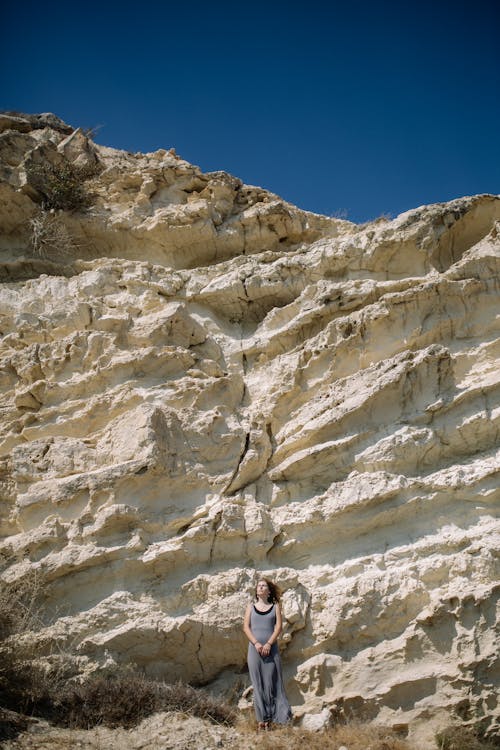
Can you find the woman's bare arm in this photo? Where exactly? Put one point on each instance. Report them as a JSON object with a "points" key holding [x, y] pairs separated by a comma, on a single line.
{"points": [[266, 648], [248, 632]]}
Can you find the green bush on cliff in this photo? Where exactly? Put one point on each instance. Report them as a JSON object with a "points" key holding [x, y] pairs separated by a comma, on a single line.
{"points": [[62, 185]]}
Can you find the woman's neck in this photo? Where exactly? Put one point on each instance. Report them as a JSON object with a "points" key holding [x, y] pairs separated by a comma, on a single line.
{"points": [[263, 602]]}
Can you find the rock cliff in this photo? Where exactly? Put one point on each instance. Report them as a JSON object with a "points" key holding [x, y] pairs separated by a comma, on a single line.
{"points": [[200, 381]]}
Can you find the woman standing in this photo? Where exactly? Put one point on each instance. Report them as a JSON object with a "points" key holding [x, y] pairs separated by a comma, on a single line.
{"points": [[262, 627]]}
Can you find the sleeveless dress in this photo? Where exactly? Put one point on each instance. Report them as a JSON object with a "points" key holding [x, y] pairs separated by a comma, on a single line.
{"points": [[269, 696]]}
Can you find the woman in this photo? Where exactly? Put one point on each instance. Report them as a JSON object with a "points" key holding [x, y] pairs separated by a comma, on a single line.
{"points": [[262, 627]]}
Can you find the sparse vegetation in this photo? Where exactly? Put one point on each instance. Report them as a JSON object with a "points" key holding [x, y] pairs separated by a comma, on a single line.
{"points": [[354, 736], [18, 606], [91, 132], [340, 213], [11, 724], [382, 219], [51, 690], [462, 738], [124, 699], [50, 238], [18, 615], [62, 186]]}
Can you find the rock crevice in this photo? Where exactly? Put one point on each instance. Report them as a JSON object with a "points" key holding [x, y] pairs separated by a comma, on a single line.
{"points": [[207, 381]]}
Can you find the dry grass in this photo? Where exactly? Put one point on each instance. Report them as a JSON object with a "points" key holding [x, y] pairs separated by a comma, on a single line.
{"points": [[122, 699], [126, 699], [462, 738], [50, 238], [19, 605], [354, 736], [18, 614], [385, 218]]}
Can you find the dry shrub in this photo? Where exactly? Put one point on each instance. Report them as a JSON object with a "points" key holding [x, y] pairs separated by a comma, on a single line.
{"points": [[11, 724], [19, 605], [33, 688], [462, 738], [50, 238], [120, 700], [19, 613], [62, 186], [125, 699], [354, 736], [196, 702], [50, 689]]}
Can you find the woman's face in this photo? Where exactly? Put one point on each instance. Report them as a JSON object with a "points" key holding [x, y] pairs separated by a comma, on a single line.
{"points": [[263, 590]]}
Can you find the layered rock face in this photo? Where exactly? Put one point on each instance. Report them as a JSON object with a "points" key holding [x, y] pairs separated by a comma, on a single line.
{"points": [[201, 384]]}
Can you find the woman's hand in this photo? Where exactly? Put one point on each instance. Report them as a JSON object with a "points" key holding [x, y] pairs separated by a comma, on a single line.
{"points": [[258, 647], [266, 649]]}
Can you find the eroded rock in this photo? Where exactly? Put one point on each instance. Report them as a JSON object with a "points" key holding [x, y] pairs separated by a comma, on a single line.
{"points": [[214, 382]]}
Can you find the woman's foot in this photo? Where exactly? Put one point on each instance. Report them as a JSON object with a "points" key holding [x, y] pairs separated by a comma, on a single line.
{"points": [[264, 726]]}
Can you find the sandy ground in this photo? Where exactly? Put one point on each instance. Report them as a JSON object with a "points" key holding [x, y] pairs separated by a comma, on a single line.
{"points": [[162, 731]]}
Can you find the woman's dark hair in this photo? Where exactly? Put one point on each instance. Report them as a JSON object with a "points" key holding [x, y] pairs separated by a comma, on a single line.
{"points": [[274, 591]]}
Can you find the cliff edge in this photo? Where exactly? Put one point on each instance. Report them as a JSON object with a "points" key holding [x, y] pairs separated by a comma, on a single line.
{"points": [[200, 381]]}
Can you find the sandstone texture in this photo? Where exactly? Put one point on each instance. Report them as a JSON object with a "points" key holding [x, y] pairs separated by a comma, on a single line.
{"points": [[201, 383]]}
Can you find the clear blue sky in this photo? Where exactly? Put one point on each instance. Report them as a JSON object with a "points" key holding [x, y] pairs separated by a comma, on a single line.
{"points": [[365, 108]]}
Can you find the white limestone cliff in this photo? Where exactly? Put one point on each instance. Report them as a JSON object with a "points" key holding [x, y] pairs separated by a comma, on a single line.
{"points": [[200, 381]]}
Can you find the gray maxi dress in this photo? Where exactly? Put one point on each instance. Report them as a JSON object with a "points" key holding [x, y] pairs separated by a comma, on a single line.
{"points": [[269, 698]]}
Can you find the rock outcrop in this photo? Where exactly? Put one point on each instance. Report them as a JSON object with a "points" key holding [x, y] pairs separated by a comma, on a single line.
{"points": [[200, 381]]}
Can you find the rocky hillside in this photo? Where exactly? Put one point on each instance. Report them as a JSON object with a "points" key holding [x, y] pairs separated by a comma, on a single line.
{"points": [[200, 381]]}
